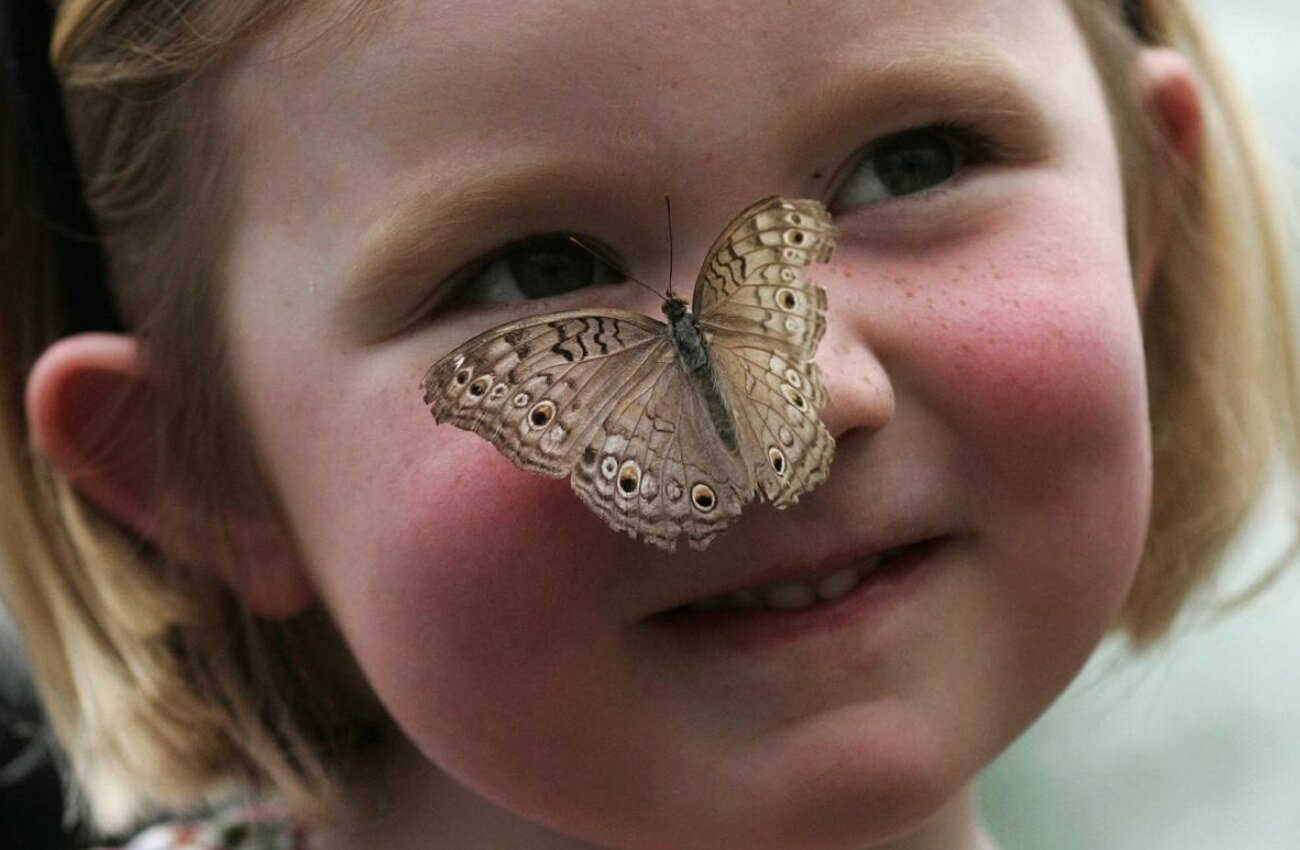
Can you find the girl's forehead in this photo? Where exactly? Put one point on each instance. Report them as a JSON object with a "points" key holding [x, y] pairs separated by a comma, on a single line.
{"points": [[593, 55]]}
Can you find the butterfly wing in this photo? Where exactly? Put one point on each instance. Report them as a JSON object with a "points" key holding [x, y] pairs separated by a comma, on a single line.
{"points": [[763, 320], [599, 397], [655, 467], [531, 387]]}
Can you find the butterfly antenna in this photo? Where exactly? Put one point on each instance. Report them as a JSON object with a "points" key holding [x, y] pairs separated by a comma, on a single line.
{"points": [[607, 262], [668, 209]]}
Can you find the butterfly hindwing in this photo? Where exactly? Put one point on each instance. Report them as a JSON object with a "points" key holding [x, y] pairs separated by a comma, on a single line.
{"points": [[657, 470], [782, 438]]}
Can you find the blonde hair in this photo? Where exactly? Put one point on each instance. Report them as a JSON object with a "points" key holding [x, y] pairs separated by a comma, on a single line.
{"points": [[162, 687]]}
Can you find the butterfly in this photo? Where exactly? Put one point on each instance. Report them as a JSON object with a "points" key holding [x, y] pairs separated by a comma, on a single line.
{"points": [[667, 430]]}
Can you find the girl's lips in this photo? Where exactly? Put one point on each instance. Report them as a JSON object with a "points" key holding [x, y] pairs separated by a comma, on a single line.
{"points": [[760, 617]]}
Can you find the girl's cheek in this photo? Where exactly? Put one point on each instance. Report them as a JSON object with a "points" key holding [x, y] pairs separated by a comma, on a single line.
{"points": [[1024, 350], [469, 562]]}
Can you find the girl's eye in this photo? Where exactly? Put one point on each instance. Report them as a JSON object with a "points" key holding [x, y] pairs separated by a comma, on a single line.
{"points": [[538, 267], [906, 163]]}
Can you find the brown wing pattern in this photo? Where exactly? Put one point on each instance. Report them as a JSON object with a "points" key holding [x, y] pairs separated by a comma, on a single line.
{"points": [[534, 387], [782, 438], [752, 281]]}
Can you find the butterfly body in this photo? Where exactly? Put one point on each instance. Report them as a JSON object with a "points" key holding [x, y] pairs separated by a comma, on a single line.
{"points": [[668, 429], [693, 354]]}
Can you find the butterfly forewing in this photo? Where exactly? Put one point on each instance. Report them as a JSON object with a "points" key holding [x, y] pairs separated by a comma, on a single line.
{"points": [[534, 387], [752, 280]]}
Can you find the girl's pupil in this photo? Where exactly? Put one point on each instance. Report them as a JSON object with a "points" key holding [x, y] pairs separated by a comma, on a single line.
{"points": [[913, 162], [550, 266]]}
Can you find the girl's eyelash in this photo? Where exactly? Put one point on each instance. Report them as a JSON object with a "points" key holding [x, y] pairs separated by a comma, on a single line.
{"points": [[455, 291], [915, 164], [979, 144]]}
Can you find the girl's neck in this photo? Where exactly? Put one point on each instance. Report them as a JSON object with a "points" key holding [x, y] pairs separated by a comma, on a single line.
{"points": [[402, 802]]}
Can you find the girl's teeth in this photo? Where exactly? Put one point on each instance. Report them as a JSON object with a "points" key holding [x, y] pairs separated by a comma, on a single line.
{"points": [[785, 597], [793, 595], [836, 585]]}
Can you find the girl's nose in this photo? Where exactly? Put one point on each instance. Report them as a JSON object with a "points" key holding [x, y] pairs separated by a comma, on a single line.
{"points": [[860, 393]]}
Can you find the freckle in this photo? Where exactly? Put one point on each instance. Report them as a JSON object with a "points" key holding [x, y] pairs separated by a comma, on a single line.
{"points": [[961, 301], [909, 293], [817, 175]]}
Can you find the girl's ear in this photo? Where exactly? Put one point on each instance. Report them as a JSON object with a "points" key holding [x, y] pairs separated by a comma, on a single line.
{"points": [[1167, 89], [93, 410]]}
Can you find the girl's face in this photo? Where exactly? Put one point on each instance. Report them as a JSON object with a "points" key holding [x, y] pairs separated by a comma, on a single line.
{"points": [[983, 361]]}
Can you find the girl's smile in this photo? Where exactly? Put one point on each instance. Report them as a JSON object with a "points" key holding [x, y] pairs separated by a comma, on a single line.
{"points": [[804, 602]]}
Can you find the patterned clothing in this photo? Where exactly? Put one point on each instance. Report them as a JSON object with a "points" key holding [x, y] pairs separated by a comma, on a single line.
{"points": [[232, 829]]}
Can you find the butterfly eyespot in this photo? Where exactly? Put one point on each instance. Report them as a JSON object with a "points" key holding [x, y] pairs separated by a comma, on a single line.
{"points": [[795, 219], [609, 467], [787, 299], [777, 459], [794, 255], [785, 435], [703, 498], [480, 385], [629, 477], [541, 414], [788, 274], [793, 378], [795, 237], [521, 399], [794, 397], [793, 324], [463, 376], [498, 392]]}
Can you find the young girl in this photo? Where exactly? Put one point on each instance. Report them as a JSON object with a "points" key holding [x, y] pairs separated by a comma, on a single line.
{"points": [[1060, 358]]}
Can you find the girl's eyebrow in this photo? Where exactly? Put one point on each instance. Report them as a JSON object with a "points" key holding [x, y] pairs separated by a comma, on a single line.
{"points": [[469, 210], [968, 79], [461, 217]]}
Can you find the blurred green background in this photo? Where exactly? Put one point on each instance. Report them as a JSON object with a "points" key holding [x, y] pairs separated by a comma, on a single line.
{"points": [[1195, 745]]}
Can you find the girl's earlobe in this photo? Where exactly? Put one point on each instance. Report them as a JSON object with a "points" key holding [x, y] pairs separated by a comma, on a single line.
{"points": [[93, 411]]}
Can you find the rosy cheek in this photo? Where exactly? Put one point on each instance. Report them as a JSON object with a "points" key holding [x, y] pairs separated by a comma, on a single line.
{"points": [[1023, 363], [474, 586]]}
